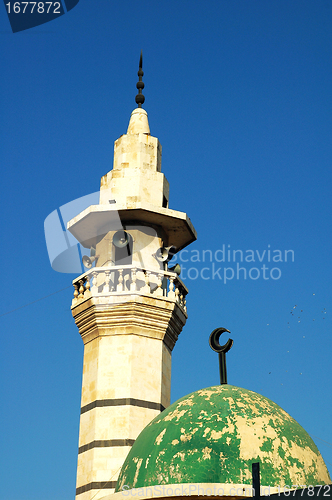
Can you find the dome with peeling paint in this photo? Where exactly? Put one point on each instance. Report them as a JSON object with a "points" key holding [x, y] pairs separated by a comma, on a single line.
{"points": [[214, 435]]}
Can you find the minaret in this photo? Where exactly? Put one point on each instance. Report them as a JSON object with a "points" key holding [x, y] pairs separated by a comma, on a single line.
{"points": [[129, 308]]}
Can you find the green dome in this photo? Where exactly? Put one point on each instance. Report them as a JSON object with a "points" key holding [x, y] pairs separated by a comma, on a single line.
{"points": [[213, 435]]}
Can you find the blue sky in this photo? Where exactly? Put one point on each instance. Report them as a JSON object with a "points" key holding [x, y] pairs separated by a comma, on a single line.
{"points": [[239, 94]]}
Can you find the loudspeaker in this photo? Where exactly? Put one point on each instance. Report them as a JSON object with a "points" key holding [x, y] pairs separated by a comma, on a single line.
{"points": [[176, 269], [121, 239], [165, 254], [88, 261]]}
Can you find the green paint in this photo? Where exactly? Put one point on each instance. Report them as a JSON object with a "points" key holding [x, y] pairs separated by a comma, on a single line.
{"points": [[201, 437]]}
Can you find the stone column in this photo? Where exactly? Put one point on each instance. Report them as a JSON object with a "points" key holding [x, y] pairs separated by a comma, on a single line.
{"points": [[126, 380]]}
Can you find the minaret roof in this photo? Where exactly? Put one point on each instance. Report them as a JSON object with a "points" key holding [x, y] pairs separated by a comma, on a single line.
{"points": [[138, 123]]}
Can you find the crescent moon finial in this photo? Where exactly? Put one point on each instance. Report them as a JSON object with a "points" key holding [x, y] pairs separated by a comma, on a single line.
{"points": [[221, 350]]}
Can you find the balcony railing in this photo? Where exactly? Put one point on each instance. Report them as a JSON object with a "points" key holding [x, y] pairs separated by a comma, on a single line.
{"points": [[128, 280]]}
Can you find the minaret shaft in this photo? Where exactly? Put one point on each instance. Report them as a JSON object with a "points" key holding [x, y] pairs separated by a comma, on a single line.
{"points": [[126, 381]]}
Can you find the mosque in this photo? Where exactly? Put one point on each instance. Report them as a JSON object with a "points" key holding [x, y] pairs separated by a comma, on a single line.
{"points": [[130, 308]]}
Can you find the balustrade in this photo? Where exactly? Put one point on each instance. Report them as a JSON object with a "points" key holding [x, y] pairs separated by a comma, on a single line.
{"points": [[124, 280]]}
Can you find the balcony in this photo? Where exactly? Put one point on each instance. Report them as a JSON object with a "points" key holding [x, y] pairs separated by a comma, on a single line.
{"points": [[117, 281]]}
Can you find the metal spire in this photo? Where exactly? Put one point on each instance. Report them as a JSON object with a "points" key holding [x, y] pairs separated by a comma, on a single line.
{"points": [[221, 350], [140, 85]]}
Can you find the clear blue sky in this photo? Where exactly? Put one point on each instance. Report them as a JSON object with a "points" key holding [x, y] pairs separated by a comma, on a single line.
{"points": [[239, 94]]}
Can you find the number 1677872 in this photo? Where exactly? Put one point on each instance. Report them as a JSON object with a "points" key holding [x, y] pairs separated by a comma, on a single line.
{"points": [[33, 7]]}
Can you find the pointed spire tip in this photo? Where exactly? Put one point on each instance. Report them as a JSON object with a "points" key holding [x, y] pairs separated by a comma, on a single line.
{"points": [[141, 60], [140, 85]]}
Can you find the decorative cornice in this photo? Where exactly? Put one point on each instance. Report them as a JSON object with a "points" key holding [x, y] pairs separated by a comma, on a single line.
{"points": [[139, 315]]}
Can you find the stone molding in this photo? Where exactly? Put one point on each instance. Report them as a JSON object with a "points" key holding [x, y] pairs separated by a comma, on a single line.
{"points": [[138, 315], [105, 443], [101, 403], [96, 485]]}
